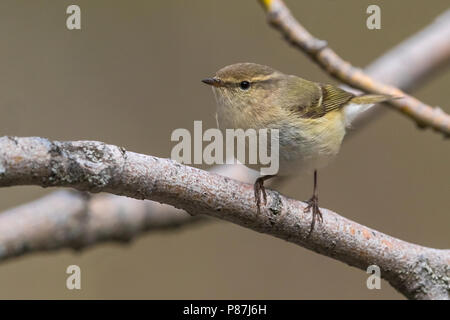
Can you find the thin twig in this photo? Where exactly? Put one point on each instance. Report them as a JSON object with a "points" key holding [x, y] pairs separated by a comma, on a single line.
{"points": [[417, 272], [424, 115]]}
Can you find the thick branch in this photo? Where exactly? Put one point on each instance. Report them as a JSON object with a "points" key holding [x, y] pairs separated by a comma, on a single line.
{"points": [[70, 219], [416, 271], [425, 115]]}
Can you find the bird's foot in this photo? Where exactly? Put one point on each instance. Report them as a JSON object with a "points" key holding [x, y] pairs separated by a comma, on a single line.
{"points": [[259, 189], [313, 205]]}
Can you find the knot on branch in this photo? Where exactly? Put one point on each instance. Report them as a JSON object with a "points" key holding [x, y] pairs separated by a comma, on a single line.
{"points": [[90, 163], [427, 277], [276, 205], [431, 280]]}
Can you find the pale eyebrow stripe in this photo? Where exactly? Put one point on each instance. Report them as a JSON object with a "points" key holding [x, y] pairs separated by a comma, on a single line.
{"points": [[265, 80]]}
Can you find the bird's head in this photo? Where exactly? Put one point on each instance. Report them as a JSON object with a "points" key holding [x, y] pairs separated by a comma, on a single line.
{"points": [[242, 85]]}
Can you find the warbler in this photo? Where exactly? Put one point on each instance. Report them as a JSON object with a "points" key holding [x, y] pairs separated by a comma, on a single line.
{"points": [[311, 117]]}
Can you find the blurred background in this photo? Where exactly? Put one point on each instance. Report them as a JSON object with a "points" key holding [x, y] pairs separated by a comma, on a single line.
{"points": [[132, 75]]}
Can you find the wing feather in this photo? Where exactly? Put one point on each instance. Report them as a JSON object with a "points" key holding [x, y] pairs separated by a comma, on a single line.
{"points": [[317, 99], [333, 98]]}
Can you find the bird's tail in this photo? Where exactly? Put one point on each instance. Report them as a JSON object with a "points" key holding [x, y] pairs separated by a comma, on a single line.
{"points": [[360, 104], [371, 99]]}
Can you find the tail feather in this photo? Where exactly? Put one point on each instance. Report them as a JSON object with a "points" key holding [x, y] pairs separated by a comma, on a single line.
{"points": [[371, 98], [360, 104]]}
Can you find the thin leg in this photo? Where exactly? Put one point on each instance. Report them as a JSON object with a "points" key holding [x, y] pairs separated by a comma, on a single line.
{"points": [[258, 187], [313, 204]]}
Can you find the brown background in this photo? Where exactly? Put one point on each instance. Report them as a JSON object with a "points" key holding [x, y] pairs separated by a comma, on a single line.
{"points": [[132, 75]]}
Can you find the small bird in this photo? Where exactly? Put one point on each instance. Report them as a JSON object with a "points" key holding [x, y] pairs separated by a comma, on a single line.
{"points": [[311, 117]]}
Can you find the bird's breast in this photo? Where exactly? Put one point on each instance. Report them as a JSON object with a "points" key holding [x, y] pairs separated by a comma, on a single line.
{"points": [[309, 144]]}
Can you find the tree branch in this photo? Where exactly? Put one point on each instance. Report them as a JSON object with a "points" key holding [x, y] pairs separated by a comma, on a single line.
{"points": [[426, 52], [69, 219], [281, 18], [73, 219], [417, 272]]}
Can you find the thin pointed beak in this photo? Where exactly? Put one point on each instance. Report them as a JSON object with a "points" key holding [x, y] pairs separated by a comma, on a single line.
{"points": [[212, 82]]}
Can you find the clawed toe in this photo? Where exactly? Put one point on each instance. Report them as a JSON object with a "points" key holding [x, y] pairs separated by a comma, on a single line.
{"points": [[313, 205], [260, 189]]}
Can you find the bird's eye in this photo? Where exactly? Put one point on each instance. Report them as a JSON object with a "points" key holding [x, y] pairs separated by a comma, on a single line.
{"points": [[244, 85]]}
